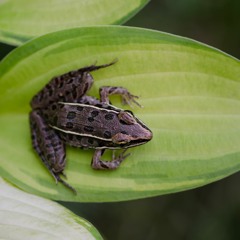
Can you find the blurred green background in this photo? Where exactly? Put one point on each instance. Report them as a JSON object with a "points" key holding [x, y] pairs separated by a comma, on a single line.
{"points": [[210, 212]]}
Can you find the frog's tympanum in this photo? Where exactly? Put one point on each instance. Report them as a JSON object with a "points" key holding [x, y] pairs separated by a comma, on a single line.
{"points": [[63, 114]]}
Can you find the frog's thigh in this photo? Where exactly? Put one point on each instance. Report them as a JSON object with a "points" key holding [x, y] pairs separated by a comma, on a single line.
{"points": [[47, 144], [97, 163]]}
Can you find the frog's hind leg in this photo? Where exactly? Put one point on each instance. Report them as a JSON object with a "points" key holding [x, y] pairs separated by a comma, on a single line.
{"points": [[67, 87], [95, 67], [97, 163], [48, 146]]}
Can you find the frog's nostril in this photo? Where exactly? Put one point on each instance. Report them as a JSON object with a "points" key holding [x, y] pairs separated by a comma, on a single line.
{"points": [[147, 135]]}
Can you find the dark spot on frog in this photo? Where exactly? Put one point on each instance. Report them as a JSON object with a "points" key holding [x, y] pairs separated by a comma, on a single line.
{"points": [[61, 105], [56, 144], [124, 132], [50, 92], [56, 82], [71, 115], [107, 134], [45, 116], [86, 87], [79, 108], [49, 137], [78, 137], [122, 122], [74, 93], [90, 119], [70, 137], [33, 137], [88, 128], [100, 105], [55, 119], [70, 81], [94, 113], [109, 116], [58, 148], [69, 125], [61, 84], [51, 155], [90, 141], [54, 107]]}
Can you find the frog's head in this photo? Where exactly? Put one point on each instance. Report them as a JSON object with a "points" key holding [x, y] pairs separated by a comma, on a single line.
{"points": [[133, 132]]}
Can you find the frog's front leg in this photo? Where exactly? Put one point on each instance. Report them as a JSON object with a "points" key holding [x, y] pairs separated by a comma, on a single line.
{"points": [[97, 163], [49, 146], [127, 97]]}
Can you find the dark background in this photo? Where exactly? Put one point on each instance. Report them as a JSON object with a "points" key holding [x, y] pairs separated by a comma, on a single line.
{"points": [[210, 212]]}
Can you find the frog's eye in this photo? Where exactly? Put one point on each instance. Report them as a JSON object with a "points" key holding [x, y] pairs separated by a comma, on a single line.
{"points": [[126, 118], [131, 113]]}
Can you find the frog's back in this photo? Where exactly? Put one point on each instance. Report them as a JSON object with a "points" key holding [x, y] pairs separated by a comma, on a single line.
{"points": [[83, 125], [93, 126]]}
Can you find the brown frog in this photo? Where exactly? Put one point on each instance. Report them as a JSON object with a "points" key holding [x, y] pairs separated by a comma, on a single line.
{"points": [[63, 114]]}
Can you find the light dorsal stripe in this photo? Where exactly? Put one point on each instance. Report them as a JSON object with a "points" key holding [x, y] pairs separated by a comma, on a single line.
{"points": [[80, 134], [116, 110]]}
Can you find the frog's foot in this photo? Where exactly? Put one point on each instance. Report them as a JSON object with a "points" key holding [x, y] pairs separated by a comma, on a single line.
{"points": [[59, 179], [95, 67], [97, 163], [127, 97]]}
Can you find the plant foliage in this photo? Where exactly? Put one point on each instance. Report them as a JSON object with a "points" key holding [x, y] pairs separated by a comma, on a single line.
{"points": [[191, 98]]}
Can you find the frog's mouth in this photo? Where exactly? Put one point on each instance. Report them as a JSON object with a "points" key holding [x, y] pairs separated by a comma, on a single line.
{"points": [[136, 142]]}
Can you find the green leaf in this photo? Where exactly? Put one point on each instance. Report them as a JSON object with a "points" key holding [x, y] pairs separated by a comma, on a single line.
{"points": [[191, 98], [25, 216], [24, 19]]}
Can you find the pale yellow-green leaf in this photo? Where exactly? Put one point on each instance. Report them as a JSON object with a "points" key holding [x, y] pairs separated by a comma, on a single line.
{"points": [[21, 20], [25, 216], [191, 98]]}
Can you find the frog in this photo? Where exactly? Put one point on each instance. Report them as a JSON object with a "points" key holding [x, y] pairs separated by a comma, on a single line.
{"points": [[63, 114]]}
